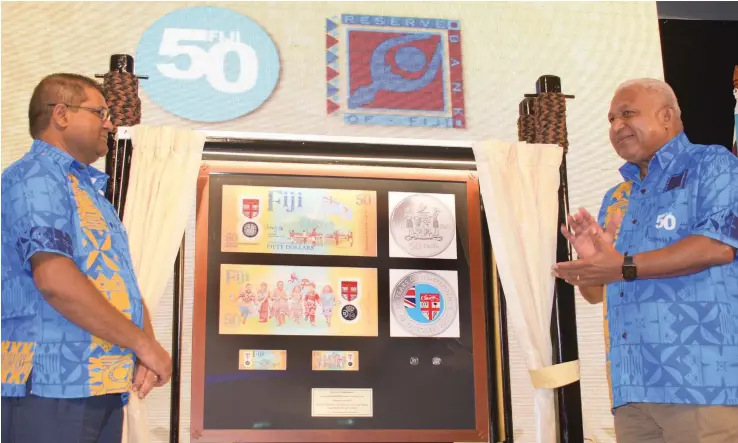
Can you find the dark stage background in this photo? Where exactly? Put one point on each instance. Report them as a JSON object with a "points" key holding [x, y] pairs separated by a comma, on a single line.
{"points": [[699, 57]]}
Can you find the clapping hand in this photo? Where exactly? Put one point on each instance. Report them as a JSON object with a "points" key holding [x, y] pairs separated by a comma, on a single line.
{"points": [[599, 262], [582, 225]]}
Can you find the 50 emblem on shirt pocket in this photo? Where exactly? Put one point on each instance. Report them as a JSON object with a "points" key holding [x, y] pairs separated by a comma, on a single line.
{"points": [[666, 221], [671, 214]]}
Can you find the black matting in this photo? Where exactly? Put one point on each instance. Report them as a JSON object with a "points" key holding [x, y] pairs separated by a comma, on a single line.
{"points": [[424, 396]]}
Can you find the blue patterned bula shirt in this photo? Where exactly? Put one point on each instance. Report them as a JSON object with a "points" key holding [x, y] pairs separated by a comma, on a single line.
{"points": [[675, 340], [53, 203]]}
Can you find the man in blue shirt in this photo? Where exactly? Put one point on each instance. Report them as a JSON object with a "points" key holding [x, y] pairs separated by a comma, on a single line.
{"points": [[76, 336], [662, 258]]}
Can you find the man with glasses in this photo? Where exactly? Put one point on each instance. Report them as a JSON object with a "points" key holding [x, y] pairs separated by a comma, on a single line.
{"points": [[76, 336]]}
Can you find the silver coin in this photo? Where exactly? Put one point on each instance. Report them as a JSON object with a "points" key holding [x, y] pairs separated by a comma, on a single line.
{"points": [[424, 304], [437, 361], [414, 361], [422, 225]]}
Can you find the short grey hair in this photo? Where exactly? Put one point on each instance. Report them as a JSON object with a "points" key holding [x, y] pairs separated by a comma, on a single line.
{"points": [[658, 86]]}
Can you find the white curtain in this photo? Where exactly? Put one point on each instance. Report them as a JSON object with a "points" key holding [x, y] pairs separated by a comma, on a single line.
{"points": [[165, 164], [519, 185]]}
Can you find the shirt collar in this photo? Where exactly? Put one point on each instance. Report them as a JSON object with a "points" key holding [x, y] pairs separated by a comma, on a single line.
{"points": [[661, 159], [98, 178]]}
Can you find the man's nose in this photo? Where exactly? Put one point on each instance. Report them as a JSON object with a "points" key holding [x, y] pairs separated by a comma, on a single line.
{"points": [[108, 125], [616, 125]]}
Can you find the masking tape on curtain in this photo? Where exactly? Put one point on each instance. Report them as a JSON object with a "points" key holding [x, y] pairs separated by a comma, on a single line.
{"points": [[555, 376]]}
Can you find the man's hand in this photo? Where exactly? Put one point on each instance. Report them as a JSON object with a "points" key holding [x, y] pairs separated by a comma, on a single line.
{"points": [[144, 380], [153, 363], [583, 225], [603, 266]]}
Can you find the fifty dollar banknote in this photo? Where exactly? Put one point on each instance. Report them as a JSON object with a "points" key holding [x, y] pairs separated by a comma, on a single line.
{"points": [[306, 221]]}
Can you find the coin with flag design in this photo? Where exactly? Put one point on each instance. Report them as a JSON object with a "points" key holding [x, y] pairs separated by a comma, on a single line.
{"points": [[424, 304]]}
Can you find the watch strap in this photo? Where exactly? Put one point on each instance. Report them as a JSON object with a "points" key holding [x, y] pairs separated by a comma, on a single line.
{"points": [[628, 260]]}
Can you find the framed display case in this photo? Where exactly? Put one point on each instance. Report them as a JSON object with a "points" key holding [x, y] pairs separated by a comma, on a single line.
{"points": [[338, 304]]}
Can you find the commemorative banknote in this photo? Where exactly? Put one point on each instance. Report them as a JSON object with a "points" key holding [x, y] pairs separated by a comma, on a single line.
{"points": [[298, 300], [262, 360], [308, 221], [335, 360]]}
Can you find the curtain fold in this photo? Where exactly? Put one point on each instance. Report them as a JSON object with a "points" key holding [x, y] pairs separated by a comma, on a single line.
{"points": [[162, 185], [519, 185]]}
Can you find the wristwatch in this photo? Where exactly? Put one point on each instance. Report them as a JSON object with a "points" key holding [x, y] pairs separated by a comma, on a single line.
{"points": [[629, 268]]}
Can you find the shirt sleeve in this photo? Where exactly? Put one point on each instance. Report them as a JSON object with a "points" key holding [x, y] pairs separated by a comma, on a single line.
{"points": [[38, 211], [716, 205]]}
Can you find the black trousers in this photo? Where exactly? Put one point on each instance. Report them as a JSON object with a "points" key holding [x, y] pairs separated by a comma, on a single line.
{"points": [[33, 419]]}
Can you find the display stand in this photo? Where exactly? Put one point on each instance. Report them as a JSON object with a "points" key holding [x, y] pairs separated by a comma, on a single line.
{"points": [[419, 379], [490, 390]]}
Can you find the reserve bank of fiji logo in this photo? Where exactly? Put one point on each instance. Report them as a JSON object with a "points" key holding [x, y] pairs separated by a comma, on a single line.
{"points": [[422, 225], [424, 304]]}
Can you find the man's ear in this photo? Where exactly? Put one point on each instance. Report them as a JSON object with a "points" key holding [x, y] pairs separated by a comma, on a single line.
{"points": [[60, 116], [667, 116]]}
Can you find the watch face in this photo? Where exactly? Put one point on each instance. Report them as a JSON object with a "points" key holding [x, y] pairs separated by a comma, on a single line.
{"points": [[629, 273]]}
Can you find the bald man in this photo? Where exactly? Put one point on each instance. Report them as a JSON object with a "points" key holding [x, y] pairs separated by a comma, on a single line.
{"points": [[662, 257], [76, 336]]}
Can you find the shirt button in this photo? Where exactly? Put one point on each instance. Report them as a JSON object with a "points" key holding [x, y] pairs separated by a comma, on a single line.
{"points": [[635, 221], [622, 294], [625, 335], [643, 191]]}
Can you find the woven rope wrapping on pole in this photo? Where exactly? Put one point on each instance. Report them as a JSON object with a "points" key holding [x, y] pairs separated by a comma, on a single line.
{"points": [[121, 95], [550, 116], [527, 128]]}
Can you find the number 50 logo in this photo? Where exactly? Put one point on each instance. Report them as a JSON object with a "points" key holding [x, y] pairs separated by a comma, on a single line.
{"points": [[207, 64], [666, 221]]}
